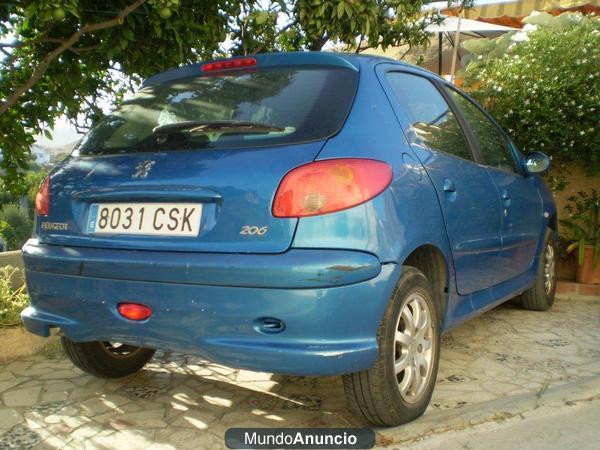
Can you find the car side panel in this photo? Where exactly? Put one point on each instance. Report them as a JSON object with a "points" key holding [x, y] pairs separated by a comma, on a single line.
{"points": [[392, 223], [548, 204], [487, 299], [521, 221], [390, 226], [468, 197]]}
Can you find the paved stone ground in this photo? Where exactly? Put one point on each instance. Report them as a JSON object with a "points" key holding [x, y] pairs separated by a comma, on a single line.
{"points": [[181, 401], [574, 427]]}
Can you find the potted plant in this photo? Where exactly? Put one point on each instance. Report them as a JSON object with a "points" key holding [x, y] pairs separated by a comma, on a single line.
{"points": [[583, 230]]}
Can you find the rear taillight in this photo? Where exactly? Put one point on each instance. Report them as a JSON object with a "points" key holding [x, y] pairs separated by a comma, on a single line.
{"points": [[235, 63], [42, 198], [331, 185]]}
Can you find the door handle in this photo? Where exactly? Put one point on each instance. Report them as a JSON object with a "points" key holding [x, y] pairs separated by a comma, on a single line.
{"points": [[449, 186], [506, 197]]}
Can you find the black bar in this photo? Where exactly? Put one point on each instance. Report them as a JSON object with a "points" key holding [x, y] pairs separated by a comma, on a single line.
{"points": [[440, 54]]}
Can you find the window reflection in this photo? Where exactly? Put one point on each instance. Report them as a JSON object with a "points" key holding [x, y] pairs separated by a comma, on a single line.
{"points": [[492, 145], [432, 120], [302, 103]]}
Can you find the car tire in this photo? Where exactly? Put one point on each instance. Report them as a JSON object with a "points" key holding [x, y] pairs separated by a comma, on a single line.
{"points": [[382, 395], [541, 296], [105, 359]]}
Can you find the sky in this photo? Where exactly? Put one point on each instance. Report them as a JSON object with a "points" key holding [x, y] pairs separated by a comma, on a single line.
{"points": [[63, 133]]}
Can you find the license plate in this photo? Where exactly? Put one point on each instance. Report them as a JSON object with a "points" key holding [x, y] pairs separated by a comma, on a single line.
{"points": [[153, 219]]}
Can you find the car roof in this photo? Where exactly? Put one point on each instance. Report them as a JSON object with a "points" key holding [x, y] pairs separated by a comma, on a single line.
{"points": [[366, 59], [287, 59]]}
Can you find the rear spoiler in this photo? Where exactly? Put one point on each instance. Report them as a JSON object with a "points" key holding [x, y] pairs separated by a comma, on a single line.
{"points": [[287, 59]]}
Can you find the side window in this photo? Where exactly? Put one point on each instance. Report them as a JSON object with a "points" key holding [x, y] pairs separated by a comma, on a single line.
{"points": [[492, 144], [430, 116]]}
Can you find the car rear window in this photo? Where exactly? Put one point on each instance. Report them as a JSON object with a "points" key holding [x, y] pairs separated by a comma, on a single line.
{"points": [[273, 106]]}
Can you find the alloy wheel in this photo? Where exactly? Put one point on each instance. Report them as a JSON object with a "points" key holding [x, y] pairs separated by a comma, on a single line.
{"points": [[414, 348], [549, 269]]}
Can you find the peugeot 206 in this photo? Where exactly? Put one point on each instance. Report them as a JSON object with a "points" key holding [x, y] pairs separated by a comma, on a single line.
{"points": [[295, 213]]}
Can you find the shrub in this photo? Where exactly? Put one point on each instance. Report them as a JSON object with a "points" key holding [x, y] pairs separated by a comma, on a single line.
{"points": [[33, 179], [583, 223], [15, 226], [12, 300], [543, 86]]}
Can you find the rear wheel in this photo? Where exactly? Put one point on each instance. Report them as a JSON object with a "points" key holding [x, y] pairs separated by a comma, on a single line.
{"points": [[541, 296], [107, 359], [398, 388]]}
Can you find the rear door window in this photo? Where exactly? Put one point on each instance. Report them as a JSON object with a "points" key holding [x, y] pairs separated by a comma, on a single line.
{"points": [[431, 118], [240, 109], [493, 147]]}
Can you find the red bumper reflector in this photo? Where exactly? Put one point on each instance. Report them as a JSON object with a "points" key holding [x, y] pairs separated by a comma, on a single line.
{"points": [[236, 63], [134, 311]]}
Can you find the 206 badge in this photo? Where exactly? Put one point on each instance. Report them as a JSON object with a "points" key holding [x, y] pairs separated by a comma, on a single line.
{"points": [[250, 230]]}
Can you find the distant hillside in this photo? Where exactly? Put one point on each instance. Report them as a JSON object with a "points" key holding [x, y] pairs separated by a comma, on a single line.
{"points": [[56, 149], [45, 153]]}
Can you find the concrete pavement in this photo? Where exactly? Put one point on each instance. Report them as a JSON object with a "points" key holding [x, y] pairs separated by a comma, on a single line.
{"points": [[509, 365], [574, 426]]}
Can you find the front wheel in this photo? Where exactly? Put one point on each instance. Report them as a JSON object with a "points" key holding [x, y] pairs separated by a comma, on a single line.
{"points": [[398, 388], [106, 359], [541, 296]]}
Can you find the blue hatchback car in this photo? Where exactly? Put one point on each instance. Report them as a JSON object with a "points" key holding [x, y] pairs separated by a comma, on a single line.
{"points": [[298, 213]]}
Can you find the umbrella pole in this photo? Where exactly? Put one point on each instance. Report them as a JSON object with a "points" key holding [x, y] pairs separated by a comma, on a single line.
{"points": [[440, 54], [455, 50]]}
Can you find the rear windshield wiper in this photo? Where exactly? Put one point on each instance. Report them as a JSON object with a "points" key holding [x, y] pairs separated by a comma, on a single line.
{"points": [[237, 126]]}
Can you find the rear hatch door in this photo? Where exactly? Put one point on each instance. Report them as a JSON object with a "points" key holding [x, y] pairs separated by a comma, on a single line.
{"points": [[234, 189], [192, 164]]}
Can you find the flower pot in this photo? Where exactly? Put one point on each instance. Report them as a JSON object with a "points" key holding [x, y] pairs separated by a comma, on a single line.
{"points": [[586, 273]]}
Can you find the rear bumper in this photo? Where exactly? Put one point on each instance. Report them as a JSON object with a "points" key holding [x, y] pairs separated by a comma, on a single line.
{"points": [[297, 268], [331, 303]]}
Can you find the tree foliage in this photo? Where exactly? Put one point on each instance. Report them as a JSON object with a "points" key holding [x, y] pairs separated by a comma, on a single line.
{"points": [[544, 87], [13, 299], [582, 223], [63, 57], [15, 226]]}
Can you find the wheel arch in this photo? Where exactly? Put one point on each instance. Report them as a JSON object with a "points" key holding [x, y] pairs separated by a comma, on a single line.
{"points": [[553, 222], [431, 261]]}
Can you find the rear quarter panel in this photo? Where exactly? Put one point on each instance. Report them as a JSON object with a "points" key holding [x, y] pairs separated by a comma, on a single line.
{"points": [[402, 218]]}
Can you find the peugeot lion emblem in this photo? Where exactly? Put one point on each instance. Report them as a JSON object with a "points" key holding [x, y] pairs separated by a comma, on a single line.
{"points": [[143, 169]]}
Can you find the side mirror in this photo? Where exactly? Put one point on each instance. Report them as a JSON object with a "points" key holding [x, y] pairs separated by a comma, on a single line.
{"points": [[536, 163]]}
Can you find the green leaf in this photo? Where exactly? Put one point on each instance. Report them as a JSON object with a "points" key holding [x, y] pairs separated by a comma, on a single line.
{"points": [[262, 17], [348, 9], [128, 33], [340, 9], [30, 10]]}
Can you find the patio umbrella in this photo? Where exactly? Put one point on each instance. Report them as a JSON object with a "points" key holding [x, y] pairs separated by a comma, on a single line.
{"points": [[457, 26], [511, 12]]}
